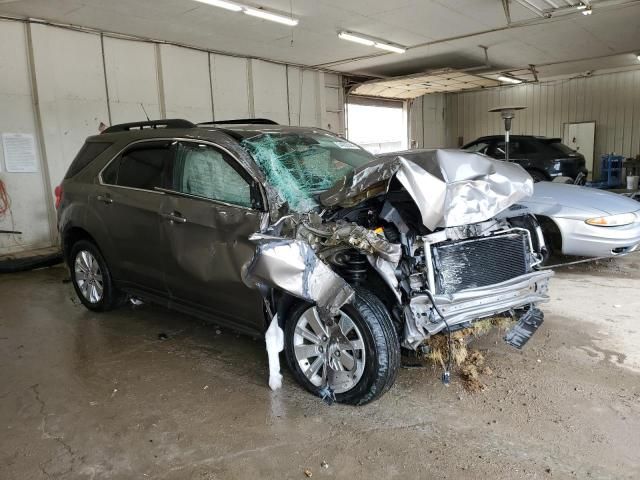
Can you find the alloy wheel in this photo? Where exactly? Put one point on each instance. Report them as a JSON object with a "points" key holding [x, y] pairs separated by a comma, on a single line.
{"points": [[88, 276]]}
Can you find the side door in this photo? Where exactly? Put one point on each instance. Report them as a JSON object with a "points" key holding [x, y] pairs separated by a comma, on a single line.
{"points": [[211, 208], [128, 203]]}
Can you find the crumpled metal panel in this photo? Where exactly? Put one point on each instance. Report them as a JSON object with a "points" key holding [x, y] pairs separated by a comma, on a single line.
{"points": [[450, 187], [292, 265]]}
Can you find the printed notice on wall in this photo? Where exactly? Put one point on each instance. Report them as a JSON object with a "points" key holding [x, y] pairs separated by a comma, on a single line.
{"points": [[19, 152]]}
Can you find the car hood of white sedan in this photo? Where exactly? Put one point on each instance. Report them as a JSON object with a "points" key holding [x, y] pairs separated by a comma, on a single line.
{"points": [[571, 201]]}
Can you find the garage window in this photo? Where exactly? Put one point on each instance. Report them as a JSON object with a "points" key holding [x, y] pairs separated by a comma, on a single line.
{"points": [[377, 125]]}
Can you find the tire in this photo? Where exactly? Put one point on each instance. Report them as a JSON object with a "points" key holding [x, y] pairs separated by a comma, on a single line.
{"points": [[85, 256], [378, 360]]}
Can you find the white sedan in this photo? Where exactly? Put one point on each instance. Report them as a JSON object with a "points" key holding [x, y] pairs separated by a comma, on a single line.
{"points": [[585, 221]]}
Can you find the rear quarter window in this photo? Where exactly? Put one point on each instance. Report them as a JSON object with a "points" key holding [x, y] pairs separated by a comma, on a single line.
{"points": [[85, 156]]}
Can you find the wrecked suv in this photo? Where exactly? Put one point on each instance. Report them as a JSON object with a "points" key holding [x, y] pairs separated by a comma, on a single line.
{"points": [[343, 259]]}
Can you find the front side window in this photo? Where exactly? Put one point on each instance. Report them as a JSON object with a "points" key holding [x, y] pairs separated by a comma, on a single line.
{"points": [[515, 148], [300, 165], [204, 171], [142, 166], [560, 148]]}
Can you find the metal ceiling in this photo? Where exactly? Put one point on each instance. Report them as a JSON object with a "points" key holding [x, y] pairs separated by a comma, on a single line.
{"points": [[437, 33]]}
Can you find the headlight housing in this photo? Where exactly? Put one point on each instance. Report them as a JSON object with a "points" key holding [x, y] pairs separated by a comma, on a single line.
{"points": [[612, 220]]}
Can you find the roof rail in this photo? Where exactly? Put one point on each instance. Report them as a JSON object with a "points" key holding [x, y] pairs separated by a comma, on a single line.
{"points": [[242, 121], [169, 123]]}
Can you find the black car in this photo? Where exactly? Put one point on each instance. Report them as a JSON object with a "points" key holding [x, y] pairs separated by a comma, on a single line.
{"points": [[544, 158]]}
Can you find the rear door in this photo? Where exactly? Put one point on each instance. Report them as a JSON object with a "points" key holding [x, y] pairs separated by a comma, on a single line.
{"points": [[212, 208], [128, 203]]}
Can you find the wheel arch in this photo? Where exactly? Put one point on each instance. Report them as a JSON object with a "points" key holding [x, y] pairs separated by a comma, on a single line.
{"points": [[552, 233], [71, 236], [283, 302]]}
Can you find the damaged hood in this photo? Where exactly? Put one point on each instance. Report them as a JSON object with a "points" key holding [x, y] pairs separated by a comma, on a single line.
{"points": [[450, 187]]}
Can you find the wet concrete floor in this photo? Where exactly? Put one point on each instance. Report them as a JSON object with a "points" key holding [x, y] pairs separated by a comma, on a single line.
{"points": [[95, 396]]}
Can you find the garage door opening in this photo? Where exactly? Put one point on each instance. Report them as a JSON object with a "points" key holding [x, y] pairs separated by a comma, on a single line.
{"points": [[379, 126]]}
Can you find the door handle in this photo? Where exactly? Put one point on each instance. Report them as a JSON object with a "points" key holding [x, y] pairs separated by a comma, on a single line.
{"points": [[104, 199], [174, 217]]}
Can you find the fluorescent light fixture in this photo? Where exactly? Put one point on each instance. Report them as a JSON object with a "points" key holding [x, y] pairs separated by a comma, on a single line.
{"points": [[638, 57], [272, 17], [582, 6], [506, 79], [356, 38], [371, 42], [389, 48], [587, 11], [234, 7]]}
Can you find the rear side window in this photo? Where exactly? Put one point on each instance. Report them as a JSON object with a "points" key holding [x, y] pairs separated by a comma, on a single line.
{"points": [[559, 147], [143, 166], [85, 156]]}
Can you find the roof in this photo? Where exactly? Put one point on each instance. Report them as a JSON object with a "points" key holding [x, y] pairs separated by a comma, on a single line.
{"points": [[235, 128]]}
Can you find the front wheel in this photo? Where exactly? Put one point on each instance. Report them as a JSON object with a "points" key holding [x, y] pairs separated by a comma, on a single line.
{"points": [[358, 356]]}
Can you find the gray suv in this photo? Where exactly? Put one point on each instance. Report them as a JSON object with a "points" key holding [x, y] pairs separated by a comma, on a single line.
{"points": [[258, 225]]}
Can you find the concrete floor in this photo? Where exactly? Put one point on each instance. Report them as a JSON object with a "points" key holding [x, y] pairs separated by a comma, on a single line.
{"points": [[101, 396]]}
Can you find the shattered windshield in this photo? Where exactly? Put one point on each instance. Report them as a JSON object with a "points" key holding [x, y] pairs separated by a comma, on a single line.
{"points": [[300, 165]]}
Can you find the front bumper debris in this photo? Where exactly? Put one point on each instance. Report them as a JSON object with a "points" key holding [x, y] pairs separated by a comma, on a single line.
{"points": [[522, 331], [469, 305]]}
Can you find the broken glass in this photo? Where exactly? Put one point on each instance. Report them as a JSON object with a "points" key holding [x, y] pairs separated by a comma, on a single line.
{"points": [[301, 165]]}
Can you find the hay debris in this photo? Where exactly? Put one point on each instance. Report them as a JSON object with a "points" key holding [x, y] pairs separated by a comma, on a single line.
{"points": [[469, 363]]}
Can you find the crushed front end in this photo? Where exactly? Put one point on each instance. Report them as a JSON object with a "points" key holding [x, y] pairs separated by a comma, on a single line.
{"points": [[491, 271], [433, 238]]}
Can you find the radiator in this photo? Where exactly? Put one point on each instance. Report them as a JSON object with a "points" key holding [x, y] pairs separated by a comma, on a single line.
{"points": [[479, 262]]}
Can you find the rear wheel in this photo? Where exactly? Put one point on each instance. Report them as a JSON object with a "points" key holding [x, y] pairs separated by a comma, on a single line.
{"points": [[358, 356], [91, 278]]}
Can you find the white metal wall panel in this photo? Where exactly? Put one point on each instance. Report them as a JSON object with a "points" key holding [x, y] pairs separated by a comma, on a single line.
{"points": [[82, 81], [186, 83], [611, 100], [231, 90], [332, 103], [270, 98], [304, 97], [27, 193], [433, 131], [132, 80], [71, 89], [416, 123]]}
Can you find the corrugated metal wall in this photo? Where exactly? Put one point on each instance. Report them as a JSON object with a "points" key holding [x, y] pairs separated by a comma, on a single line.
{"points": [[611, 100], [427, 122], [59, 84]]}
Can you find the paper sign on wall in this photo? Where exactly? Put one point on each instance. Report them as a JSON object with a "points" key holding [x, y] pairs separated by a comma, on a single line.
{"points": [[20, 152]]}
